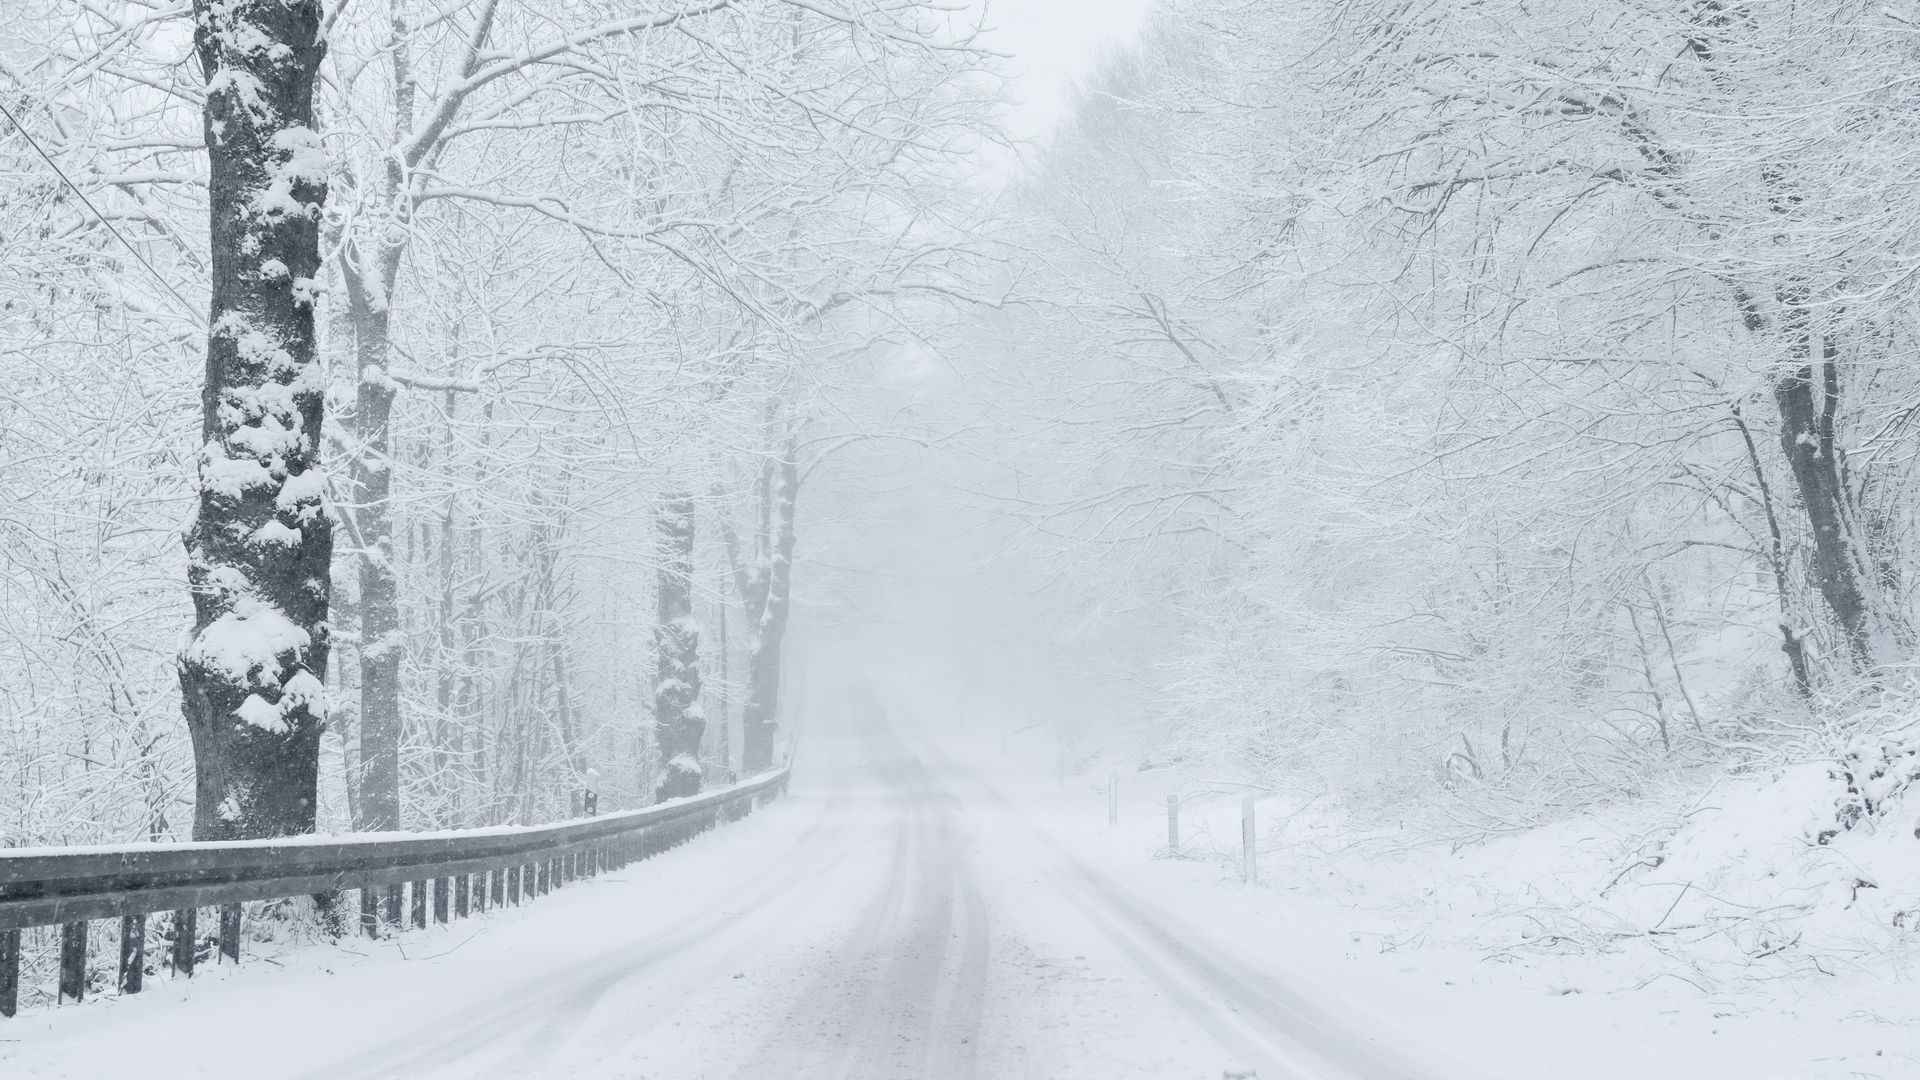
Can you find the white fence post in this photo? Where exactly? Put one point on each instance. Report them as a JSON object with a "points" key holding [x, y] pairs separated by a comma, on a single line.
{"points": [[1249, 860]]}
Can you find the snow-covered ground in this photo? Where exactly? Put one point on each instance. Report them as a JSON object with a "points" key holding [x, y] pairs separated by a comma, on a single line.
{"points": [[1685, 935], [927, 907]]}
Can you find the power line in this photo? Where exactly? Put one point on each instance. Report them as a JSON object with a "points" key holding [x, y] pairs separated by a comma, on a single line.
{"points": [[191, 311]]}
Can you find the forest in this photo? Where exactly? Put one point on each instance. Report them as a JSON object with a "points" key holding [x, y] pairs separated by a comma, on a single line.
{"points": [[562, 304], [1466, 418]]}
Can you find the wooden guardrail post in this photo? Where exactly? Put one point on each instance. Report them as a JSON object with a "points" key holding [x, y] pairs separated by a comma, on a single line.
{"points": [[370, 911], [73, 960], [133, 953], [419, 890], [461, 885], [440, 900], [9, 972], [184, 921], [395, 905], [230, 932]]}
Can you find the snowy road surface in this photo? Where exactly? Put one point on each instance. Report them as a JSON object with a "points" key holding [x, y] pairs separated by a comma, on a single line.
{"points": [[894, 918]]}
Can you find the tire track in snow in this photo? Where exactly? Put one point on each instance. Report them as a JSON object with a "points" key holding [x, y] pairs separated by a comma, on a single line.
{"points": [[957, 1017], [1277, 1029], [901, 994]]}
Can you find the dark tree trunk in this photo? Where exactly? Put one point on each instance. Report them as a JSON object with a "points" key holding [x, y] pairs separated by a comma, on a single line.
{"points": [[259, 549], [677, 722], [1819, 470]]}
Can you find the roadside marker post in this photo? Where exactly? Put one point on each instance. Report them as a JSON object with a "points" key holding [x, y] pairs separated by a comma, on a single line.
{"points": [[1249, 862]]}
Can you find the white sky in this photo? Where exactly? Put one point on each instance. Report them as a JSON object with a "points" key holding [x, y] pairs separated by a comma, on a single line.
{"points": [[1054, 43]]}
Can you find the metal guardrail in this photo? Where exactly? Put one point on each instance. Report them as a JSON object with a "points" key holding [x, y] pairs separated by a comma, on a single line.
{"points": [[465, 870]]}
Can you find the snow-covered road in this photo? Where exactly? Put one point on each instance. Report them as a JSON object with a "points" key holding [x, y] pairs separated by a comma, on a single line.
{"points": [[896, 917]]}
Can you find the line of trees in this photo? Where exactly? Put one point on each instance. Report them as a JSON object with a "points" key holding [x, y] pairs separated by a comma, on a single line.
{"points": [[512, 319], [1506, 399]]}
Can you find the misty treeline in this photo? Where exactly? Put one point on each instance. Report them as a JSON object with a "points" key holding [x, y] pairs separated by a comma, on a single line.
{"points": [[577, 287], [1501, 403]]}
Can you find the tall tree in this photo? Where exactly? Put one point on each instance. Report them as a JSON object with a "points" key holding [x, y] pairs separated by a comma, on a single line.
{"points": [[766, 590], [260, 544], [677, 718]]}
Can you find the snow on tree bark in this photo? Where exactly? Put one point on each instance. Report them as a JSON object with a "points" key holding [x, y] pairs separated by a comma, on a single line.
{"points": [[723, 743], [259, 547], [1819, 469], [678, 723], [380, 635], [760, 715], [371, 272]]}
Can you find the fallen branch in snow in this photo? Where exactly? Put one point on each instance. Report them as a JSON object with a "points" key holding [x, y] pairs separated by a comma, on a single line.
{"points": [[1652, 862]]}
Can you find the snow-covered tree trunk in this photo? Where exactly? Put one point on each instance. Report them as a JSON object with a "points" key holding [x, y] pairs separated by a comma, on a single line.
{"points": [[677, 719], [371, 272], [379, 600], [450, 747], [259, 548], [760, 716], [723, 743]]}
